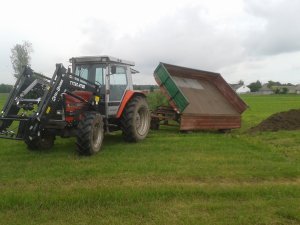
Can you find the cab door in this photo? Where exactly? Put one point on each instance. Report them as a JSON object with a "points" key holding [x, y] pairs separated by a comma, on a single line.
{"points": [[118, 84]]}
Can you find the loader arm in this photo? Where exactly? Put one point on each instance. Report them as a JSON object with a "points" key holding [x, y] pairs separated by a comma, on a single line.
{"points": [[36, 101]]}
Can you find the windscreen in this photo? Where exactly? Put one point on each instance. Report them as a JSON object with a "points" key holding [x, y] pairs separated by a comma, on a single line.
{"points": [[94, 73]]}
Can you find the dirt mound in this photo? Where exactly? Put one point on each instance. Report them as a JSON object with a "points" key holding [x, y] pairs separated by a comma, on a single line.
{"points": [[289, 120]]}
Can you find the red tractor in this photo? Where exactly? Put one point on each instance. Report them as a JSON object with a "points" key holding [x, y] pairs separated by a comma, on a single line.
{"points": [[93, 96]]}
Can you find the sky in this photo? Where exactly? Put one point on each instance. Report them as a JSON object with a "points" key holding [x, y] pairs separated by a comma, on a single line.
{"points": [[245, 40]]}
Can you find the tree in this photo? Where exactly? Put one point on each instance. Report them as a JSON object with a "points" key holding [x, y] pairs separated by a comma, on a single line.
{"points": [[20, 57], [255, 86], [273, 83], [241, 82]]}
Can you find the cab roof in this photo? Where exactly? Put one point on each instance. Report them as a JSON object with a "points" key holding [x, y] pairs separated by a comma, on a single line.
{"points": [[100, 59]]}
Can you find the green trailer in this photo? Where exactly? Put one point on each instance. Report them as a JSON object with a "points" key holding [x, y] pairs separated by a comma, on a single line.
{"points": [[200, 99]]}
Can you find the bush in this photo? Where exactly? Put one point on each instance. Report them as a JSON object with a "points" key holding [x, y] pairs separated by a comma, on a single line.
{"points": [[284, 90], [156, 99], [277, 91]]}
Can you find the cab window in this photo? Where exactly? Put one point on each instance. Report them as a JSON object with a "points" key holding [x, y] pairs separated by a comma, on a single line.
{"points": [[119, 78], [82, 71], [118, 84], [95, 73], [100, 75]]}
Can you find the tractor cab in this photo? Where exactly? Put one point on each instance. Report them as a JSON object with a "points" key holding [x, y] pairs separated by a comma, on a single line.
{"points": [[113, 75]]}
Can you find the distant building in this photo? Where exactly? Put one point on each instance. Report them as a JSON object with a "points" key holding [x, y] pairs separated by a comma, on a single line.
{"points": [[298, 89], [243, 89], [240, 88], [265, 90], [293, 89]]}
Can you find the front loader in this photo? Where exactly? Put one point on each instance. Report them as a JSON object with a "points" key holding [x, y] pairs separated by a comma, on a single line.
{"points": [[93, 96]]}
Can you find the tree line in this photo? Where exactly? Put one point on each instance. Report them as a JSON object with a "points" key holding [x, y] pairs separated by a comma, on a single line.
{"points": [[5, 88], [279, 88]]}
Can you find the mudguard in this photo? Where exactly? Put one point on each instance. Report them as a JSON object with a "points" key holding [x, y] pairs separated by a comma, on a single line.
{"points": [[129, 94]]}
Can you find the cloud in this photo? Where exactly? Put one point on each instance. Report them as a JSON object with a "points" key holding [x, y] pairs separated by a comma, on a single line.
{"points": [[98, 37], [282, 67], [278, 32], [240, 38], [186, 37]]}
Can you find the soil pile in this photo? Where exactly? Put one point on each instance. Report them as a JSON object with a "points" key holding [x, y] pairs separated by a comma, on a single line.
{"points": [[289, 120]]}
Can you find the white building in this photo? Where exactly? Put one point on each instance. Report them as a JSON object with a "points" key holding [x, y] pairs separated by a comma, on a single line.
{"points": [[243, 89], [294, 89]]}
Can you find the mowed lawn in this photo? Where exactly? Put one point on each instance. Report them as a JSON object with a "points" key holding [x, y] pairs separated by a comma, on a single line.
{"points": [[170, 178]]}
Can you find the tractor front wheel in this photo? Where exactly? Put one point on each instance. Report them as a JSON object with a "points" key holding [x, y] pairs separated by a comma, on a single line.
{"points": [[135, 120], [90, 134], [44, 142]]}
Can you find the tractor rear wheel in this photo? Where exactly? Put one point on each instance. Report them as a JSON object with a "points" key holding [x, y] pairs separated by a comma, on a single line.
{"points": [[44, 142], [90, 134], [135, 120]]}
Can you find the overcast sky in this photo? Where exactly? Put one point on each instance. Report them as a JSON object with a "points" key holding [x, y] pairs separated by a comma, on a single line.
{"points": [[242, 39]]}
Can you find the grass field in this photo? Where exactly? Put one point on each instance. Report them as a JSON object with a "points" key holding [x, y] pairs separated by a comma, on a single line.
{"points": [[170, 178]]}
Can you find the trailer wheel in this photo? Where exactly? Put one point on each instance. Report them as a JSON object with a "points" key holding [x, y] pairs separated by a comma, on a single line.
{"points": [[90, 134], [224, 131], [155, 123], [135, 120], [44, 142]]}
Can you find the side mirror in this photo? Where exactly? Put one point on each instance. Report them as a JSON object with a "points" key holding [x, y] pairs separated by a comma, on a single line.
{"points": [[113, 69]]}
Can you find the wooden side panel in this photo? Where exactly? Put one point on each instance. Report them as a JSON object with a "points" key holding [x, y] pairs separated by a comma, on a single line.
{"points": [[190, 73], [209, 122], [230, 94]]}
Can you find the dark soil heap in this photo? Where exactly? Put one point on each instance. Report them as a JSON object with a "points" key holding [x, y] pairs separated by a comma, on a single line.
{"points": [[289, 120]]}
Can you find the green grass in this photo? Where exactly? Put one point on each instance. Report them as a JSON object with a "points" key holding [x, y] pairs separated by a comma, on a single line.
{"points": [[170, 178]]}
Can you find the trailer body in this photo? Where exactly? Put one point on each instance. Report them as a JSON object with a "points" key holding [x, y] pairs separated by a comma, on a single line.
{"points": [[203, 100]]}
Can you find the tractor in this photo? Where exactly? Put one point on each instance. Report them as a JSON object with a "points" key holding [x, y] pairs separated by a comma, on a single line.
{"points": [[92, 96]]}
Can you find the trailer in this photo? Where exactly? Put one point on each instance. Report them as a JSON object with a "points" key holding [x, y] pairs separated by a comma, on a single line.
{"points": [[200, 99]]}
